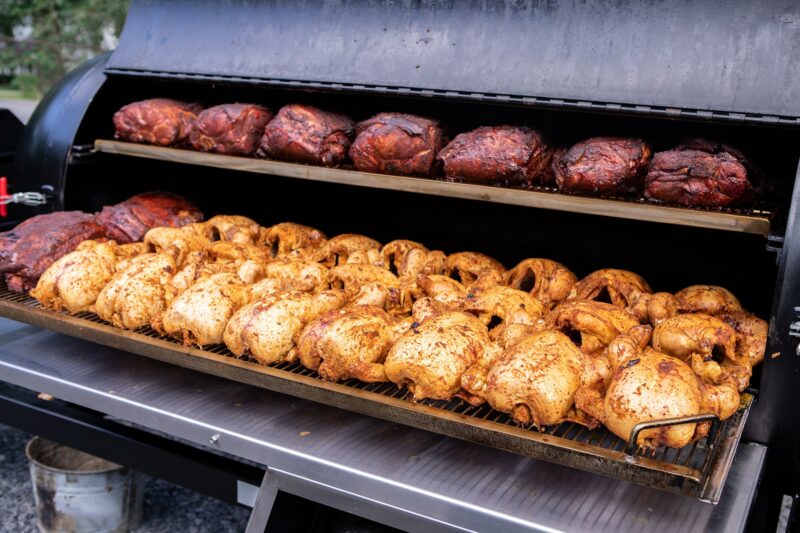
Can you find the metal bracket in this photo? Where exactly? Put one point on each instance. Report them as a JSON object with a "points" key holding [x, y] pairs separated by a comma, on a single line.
{"points": [[264, 502]]}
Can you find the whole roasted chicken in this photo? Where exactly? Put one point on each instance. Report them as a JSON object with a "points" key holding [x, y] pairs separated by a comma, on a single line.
{"points": [[288, 240], [474, 269], [409, 258], [431, 357], [547, 281], [138, 291], [74, 281], [199, 314], [351, 342], [707, 299], [351, 248], [267, 328]]}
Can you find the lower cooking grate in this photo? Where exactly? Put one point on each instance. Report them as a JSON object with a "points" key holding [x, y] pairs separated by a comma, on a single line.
{"points": [[698, 469]]}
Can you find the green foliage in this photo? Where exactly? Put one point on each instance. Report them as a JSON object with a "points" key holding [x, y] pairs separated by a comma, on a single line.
{"points": [[62, 34]]}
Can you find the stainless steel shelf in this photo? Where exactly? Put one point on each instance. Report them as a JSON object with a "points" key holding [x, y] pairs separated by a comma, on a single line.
{"points": [[408, 478], [746, 221]]}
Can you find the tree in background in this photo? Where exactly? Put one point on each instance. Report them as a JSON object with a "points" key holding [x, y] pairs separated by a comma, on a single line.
{"points": [[41, 40]]}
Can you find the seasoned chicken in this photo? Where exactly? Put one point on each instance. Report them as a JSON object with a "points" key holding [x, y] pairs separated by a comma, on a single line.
{"points": [[351, 342], [442, 289], [267, 328], [74, 281], [597, 323], [351, 248], [751, 335], [547, 281], [137, 292], [536, 379], [430, 358], [708, 299], [653, 308], [307, 276], [230, 228], [248, 261], [288, 240], [655, 386], [682, 336], [619, 287], [474, 269], [352, 276], [409, 258], [502, 308], [175, 242], [198, 315]]}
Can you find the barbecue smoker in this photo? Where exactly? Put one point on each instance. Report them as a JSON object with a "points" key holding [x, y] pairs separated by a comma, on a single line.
{"points": [[725, 71]]}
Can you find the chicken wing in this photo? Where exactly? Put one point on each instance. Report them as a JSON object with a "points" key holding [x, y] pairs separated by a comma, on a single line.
{"points": [[74, 281], [267, 328], [137, 292], [547, 281], [351, 342], [198, 315]]}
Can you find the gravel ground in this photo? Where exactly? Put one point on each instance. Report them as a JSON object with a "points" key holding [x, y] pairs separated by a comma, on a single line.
{"points": [[167, 508]]}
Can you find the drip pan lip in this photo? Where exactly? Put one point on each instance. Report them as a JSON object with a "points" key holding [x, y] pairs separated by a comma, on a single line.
{"points": [[698, 470], [30, 453]]}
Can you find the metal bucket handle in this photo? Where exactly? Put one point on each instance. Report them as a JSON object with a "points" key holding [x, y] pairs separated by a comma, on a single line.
{"points": [[631, 447]]}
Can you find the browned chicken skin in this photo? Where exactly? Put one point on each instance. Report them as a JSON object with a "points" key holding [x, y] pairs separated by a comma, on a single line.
{"points": [[351, 248], [232, 129], [351, 342], [267, 328], [596, 323], [618, 287], [496, 155], [473, 268], [602, 165], [696, 178], [708, 299], [409, 258], [396, 143], [288, 240], [432, 356], [547, 281], [176, 242], [159, 121], [306, 134], [128, 221]]}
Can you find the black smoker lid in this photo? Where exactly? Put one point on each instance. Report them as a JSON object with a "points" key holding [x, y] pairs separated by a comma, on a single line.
{"points": [[727, 56]]}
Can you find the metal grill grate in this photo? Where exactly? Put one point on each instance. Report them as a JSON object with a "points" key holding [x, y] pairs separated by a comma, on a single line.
{"points": [[688, 469]]}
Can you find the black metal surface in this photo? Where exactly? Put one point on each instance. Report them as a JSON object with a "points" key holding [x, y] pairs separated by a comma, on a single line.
{"points": [[92, 432], [776, 419], [736, 57], [43, 154], [10, 136]]}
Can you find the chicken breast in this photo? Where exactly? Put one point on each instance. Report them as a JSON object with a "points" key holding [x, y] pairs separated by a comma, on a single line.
{"points": [[137, 292]]}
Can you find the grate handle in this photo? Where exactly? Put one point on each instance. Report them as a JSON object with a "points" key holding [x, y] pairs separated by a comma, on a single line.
{"points": [[630, 449]]}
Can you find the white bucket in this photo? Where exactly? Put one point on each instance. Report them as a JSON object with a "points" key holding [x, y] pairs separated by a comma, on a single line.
{"points": [[78, 492]]}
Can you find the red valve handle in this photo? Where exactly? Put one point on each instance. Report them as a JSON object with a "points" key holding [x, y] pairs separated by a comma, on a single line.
{"points": [[3, 194]]}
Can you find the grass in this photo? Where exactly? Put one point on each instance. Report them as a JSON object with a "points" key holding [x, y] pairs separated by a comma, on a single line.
{"points": [[9, 93]]}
